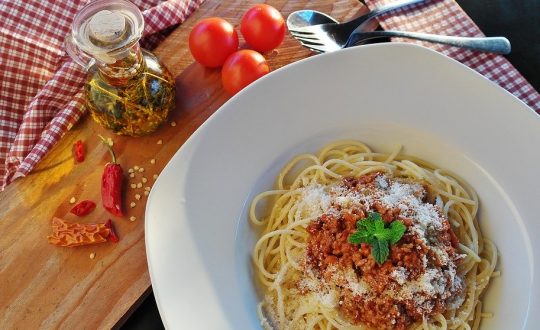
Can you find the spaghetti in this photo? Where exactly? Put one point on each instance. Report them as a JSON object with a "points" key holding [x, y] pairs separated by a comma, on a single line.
{"points": [[314, 278]]}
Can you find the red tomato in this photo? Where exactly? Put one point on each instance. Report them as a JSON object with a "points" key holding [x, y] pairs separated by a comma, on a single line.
{"points": [[212, 40], [263, 27], [241, 69]]}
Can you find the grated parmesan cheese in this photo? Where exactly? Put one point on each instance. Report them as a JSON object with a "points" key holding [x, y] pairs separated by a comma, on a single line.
{"points": [[400, 274], [315, 201], [399, 192], [381, 181]]}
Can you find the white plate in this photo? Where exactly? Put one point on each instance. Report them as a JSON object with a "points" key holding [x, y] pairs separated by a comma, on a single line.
{"points": [[198, 239]]}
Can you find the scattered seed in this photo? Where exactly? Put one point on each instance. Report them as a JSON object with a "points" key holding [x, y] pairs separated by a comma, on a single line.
{"points": [[144, 180], [72, 200], [141, 169], [132, 218], [152, 161], [132, 204], [139, 185], [92, 255], [136, 167], [155, 176], [133, 186], [137, 196], [132, 175], [173, 123], [160, 141]]}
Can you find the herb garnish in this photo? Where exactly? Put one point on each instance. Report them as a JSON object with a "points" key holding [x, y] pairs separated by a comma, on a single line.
{"points": [[372, 230]]}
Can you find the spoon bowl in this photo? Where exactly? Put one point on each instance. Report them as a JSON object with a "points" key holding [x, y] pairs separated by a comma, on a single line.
{"points": [[302, 18]]}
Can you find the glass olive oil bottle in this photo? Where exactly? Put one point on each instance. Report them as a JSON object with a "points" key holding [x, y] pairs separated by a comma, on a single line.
{"points": [[128, 89]]}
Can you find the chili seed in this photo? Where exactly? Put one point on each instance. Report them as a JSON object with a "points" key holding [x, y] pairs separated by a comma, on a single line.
{"points": [[152, 161], [92, 255], [147, 188], [139, 185], [160, 141], [137, 196], [133, 186], [132, 204], [155, 176], [146, 192], [141, 169], [144, 180], [132, 175], [130, 170], [136, 167], [132, 218], [173, 123], [72, 200]]}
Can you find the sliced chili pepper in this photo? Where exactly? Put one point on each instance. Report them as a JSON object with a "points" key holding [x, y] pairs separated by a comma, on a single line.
{"points": [[78, 151], [71, 234], [111, 184], [83, 208], [112, 236]]}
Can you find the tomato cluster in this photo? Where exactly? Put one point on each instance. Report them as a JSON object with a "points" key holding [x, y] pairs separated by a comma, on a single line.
{"points": [[213, 42]]}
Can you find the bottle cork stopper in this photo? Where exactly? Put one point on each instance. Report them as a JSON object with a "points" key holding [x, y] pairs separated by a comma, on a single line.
{"points": [[106, 25]]}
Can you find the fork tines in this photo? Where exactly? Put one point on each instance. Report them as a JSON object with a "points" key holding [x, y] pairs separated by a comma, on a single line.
{"points": [[303, 30]]}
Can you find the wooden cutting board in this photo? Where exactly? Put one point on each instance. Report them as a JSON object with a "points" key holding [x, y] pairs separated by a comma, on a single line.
{"points": [[43, 286]]}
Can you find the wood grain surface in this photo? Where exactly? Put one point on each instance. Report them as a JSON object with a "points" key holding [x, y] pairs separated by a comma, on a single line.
{"points": [[43, 286]]}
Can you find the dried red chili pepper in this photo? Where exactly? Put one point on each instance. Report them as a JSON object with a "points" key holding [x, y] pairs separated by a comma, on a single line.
{"points": [[83, 208], [71, 234], [112, 236], [78, 151], [111, 184]]}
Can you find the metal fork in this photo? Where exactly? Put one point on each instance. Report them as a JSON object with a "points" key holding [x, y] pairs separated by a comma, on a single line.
{"points": [[497, 45], [339, 32]]}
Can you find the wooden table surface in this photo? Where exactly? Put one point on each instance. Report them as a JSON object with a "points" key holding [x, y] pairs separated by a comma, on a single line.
{"points": [[43, 286]]}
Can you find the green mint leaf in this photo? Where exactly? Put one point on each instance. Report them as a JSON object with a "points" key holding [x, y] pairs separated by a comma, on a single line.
{"points": [[385, 234], [374, 216], [379, 250], [359, 237], [398, 229], [369, 223], [363, 225], [373, 230], [355, 238], [392, 234], [379, 225], [366, 225]]}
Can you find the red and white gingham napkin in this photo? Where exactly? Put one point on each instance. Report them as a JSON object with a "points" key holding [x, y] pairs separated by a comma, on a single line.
{"points": [[40, 86], [445, 17]]}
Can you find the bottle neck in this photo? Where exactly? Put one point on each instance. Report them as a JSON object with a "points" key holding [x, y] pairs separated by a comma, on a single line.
{"points": [[128, 64]]}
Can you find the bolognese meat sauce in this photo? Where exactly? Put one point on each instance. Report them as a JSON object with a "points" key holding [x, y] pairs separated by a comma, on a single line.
{"points": [[419, 278]]}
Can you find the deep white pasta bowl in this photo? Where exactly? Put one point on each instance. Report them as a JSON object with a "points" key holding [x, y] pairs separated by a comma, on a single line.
{"points": [[199, 240]]}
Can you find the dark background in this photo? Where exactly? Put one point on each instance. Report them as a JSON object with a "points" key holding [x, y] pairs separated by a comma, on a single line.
{"points": [[517, 20]]}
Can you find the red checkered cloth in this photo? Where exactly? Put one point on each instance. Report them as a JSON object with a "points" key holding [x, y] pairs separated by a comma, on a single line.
{"points": [[41, 87], [445, 17]]}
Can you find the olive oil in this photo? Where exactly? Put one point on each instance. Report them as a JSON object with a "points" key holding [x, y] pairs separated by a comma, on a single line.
{"points": [[131, 106]]}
